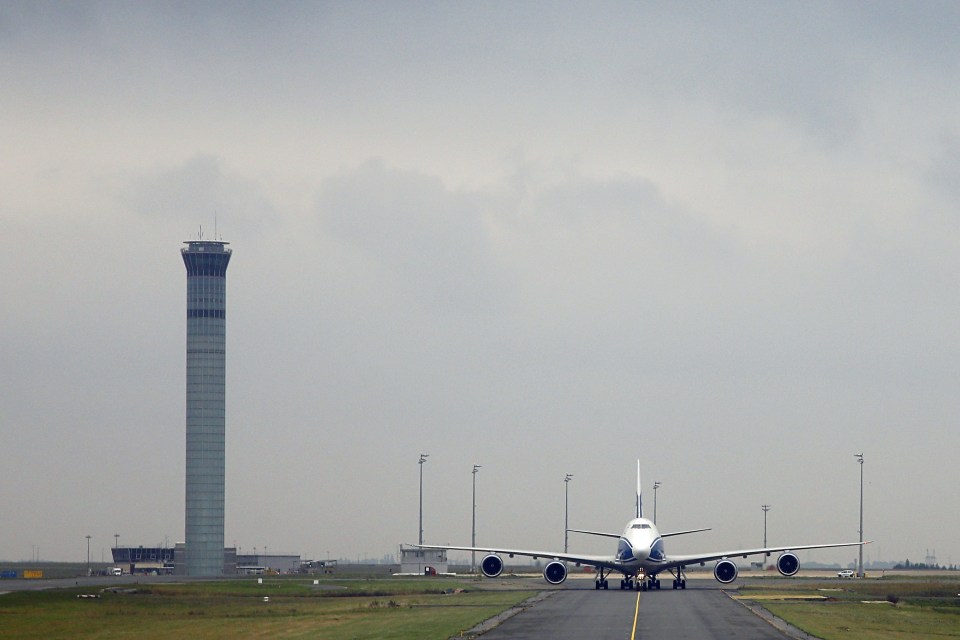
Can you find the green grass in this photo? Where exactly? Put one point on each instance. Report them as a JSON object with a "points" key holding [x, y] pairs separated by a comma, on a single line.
{"points": [[339, 609], [900, 608]]}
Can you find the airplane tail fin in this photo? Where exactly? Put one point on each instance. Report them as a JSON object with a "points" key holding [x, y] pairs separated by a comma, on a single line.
{"points": [[639, 497]]}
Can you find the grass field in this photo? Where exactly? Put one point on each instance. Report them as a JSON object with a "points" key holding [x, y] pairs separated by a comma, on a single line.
{"points": [[440, 608], [900, 608], [334, 610]]}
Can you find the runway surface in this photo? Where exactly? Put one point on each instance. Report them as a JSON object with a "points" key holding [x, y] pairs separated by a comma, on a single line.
{"points": [[701, 612]]}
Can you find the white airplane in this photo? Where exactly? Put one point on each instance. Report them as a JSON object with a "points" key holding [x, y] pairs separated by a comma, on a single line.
{"points": [[640, 557]]}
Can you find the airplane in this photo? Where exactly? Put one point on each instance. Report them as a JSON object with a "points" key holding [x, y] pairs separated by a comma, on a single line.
{"points": [[640, 556]]}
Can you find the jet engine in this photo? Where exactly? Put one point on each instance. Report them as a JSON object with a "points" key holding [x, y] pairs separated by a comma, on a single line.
{"points": [[788, 564], [725, 572], [555, 572], [491, 565]]}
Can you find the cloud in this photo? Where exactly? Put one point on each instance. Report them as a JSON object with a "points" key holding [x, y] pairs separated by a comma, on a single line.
{"points": [[431, 243], [201, 190]]}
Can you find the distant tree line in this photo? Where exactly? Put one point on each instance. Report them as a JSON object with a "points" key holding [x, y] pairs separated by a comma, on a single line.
{"points": [[906, 564]]}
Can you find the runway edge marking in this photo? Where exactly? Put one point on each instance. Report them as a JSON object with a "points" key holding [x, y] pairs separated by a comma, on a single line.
{"points": [[500, 618], [779, 624]]}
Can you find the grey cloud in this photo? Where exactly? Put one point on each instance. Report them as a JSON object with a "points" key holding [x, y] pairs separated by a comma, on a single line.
{"points": [[427, 240], [198, 191]]}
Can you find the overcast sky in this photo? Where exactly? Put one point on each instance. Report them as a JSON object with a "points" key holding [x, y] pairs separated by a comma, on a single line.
{"points": [[542, 237]]}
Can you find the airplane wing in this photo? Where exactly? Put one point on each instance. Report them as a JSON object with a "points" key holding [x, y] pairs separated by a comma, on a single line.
{"points": [[607, 562], [683, 533], [684, 560], [620, 535], [596, 533]]}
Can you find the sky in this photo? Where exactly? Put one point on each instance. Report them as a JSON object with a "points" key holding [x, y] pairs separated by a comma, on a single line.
{"points": [[546, 238]]}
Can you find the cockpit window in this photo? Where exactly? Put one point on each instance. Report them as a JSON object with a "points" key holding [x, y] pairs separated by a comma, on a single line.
{"points": [[640, 526]]}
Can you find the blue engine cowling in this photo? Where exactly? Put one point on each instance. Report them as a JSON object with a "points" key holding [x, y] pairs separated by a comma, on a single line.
{"points": [[555, 572], [491, 565], [725, 571], [788, 564]]}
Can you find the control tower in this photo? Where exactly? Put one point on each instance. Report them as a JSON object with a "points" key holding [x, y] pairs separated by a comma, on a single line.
{"points": [[206, 264]]}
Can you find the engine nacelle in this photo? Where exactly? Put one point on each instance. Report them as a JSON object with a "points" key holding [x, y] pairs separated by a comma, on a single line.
{"points": [[555, 572], [725, 572], [788, 564], [491, 565]]}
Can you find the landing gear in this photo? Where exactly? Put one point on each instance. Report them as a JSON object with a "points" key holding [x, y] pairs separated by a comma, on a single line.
{"points": [[601, 582], [679, 578], [629, 584], [639, 582]]}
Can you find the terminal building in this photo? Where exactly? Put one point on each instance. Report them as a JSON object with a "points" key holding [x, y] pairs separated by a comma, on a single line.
{"points": [[172, 560], [150, 560]]}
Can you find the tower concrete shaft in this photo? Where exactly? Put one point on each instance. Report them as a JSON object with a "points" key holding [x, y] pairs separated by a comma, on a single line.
{"points": [[206, 264]]}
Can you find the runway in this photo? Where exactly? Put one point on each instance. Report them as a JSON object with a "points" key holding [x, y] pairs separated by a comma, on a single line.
{"points": [[700, 612]]}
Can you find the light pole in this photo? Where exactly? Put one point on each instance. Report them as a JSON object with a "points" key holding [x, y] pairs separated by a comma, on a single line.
{"points": [[473, 534], [566, 510], [765, 508], [656, 485], [859, 457], [88, 555], [423, 458]]}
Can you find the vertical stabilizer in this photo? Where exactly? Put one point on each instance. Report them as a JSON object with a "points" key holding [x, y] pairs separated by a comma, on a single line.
{"points": [[639, 498]]}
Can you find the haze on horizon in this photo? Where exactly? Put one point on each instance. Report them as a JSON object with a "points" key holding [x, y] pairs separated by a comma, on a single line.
{"points": [[544, 238]]}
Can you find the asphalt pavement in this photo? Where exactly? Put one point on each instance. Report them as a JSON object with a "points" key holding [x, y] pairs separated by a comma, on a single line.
{"points": [[701, 612]]}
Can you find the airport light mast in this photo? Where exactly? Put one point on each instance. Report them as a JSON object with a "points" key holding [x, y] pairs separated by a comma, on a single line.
{"points": [[656, 485], [473, 534], [859, 457], [765, 508], [423, 458], [566, 510]]}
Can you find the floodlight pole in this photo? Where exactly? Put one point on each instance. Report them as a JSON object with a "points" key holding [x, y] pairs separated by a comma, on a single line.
{"points": [[473, 534], [765, 508], [656, 485], [566, 510], [423, 458], [88, 555], [859, 457]]}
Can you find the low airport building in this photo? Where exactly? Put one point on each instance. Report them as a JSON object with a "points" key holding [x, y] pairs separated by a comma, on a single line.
{"points": [[414, 560], [150, 560], [255, 564], [172, 560]]}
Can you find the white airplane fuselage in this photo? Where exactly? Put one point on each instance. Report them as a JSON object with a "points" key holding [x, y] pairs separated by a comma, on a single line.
{"points": [[641, 547]]}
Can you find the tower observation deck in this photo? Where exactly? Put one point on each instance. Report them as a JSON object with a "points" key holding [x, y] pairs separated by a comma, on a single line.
{"points": [[206, 264]]}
